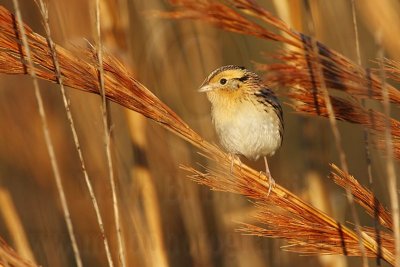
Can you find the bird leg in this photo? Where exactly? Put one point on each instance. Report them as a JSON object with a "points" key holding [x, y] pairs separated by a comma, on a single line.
{"points": [[271, 180], [232, 158]]}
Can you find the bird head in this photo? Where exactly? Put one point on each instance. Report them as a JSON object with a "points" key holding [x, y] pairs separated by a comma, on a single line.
{"points": [[230, 82]]}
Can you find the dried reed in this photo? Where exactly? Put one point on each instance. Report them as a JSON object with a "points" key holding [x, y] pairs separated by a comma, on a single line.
{"points": [[44, 121], [67, 216], [390, 168], [14, 225], [107, 144], [140, 171], [306, 228], [338, 142], [359, 62], [345, 110], [363, 196], [8, 257], [280, 217], [339, 72]]}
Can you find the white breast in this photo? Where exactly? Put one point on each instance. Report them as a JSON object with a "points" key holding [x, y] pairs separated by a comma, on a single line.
{"points": [[248, 130]]}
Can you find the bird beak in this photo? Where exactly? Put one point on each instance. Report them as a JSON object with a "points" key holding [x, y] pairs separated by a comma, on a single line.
{"points": [[205, 88]]}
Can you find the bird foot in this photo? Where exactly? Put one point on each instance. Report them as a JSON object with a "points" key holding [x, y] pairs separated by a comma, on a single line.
{"points": [[271, 181]]}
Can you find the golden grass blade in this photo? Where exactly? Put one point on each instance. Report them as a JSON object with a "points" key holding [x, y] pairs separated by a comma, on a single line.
{"points": [[279, 216], [363, 196], [123, 89], [381, 144], [225, 17], [385, 239], [310, 238], [140, 172], [392, 69], [304, 102], [355, 81], [14, 225], [9, 257]]}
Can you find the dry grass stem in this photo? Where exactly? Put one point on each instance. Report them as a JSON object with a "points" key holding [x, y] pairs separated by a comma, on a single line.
{"points": [[349, 111], [339, 148], [345, 110], [359, 62], [354, 17], [390, 169], [392, 69], [14, 225], [152, 222], [49, 143], [107, 143], [9, 257], [363, 196], [355, 81], [280, 216], [67, 217], [225, 17]]}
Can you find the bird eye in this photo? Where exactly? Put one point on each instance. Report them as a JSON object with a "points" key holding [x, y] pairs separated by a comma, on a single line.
{"points": [[222, 81]]}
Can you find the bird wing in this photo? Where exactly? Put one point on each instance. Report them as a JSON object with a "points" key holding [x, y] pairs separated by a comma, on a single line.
{"points": [[268, 98]]}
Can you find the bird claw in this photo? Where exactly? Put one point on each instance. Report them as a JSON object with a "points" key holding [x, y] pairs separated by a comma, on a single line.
{"points": [[271, 181], [272, 184]]}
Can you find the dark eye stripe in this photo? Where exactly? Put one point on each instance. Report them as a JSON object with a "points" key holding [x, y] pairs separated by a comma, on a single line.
{"points": [[244, 78]]}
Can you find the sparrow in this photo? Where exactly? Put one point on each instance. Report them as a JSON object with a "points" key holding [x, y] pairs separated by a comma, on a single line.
{"points": [[247, 115]]}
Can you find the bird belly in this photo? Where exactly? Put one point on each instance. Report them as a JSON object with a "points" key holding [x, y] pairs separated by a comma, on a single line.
{"points": [[249, 131]]}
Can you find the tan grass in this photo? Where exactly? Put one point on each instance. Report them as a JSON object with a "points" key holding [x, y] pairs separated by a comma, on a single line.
{"points": [[352, 112], [306, 228], [14, 225], [44, 120], [107, 144], [390, 168], [140, 172], [345, 110], [108, 136], [338, 140], [67, 217], [280, 216], [8, 257], [342, 76], [363, 196]]}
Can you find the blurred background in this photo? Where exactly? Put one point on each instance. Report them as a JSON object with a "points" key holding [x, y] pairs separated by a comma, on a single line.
{"points": [[168, 220]]}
